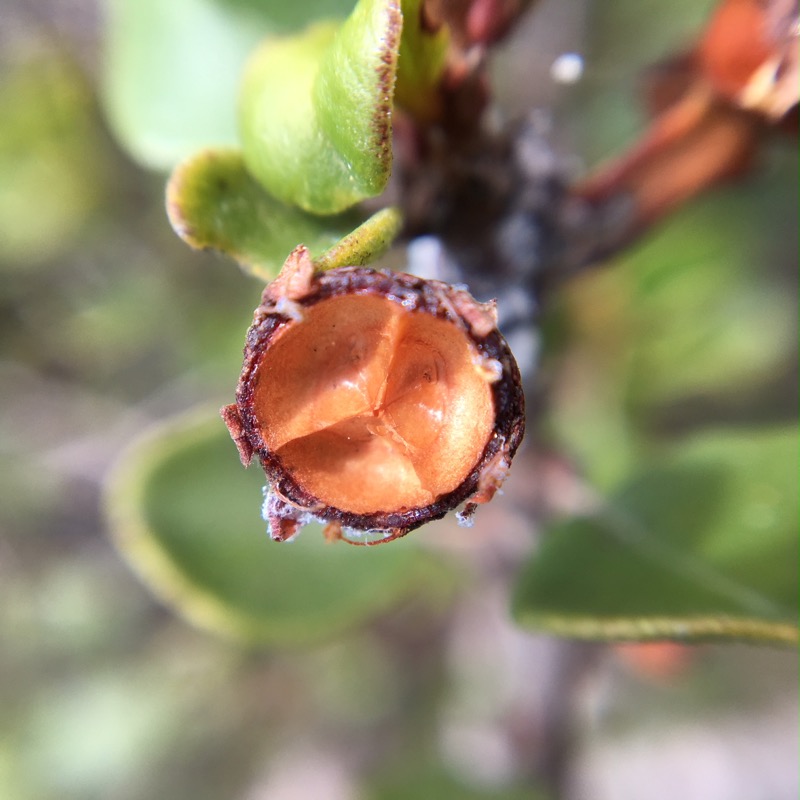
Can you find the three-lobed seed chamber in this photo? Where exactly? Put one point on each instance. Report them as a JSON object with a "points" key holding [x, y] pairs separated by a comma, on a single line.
{"points": [[375, 401]]}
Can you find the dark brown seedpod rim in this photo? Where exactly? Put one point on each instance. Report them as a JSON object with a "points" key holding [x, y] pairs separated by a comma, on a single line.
{"points": [[298, 288]]}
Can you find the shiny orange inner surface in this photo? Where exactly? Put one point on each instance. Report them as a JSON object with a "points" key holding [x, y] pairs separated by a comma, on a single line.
{"points": [[374, 408]]}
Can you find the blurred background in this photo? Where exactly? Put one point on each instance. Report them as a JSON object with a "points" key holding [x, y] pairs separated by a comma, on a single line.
{"points": [[425, 687]]}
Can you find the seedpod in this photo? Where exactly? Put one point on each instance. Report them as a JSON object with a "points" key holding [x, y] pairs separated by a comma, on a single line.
{"points": [[375, 401]]}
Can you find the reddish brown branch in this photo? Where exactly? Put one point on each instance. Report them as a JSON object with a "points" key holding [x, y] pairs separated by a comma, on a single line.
{"points": [[713, 108]]}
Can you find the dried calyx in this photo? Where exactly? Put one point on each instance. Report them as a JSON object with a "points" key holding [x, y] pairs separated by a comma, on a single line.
{"points": [[375, 401]]}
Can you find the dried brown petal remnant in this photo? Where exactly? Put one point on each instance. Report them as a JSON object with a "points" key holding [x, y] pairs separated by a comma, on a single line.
{"points": [[375, 401]]}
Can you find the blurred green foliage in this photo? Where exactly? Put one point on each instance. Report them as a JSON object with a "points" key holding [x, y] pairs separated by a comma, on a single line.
{"points": [[48, 179]]}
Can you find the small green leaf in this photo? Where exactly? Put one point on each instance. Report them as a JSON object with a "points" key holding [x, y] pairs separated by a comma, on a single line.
{"points": [[214, 203], [703, 546], [186, 515], [423, 57], [315, 110], [366, 243]]}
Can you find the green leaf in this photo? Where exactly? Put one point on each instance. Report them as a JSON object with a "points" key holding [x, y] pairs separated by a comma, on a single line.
{"points": [[702, 546], [185, 514], [366, 243], [315, 110], [423, 57], [172, 72], [214, 203]]}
